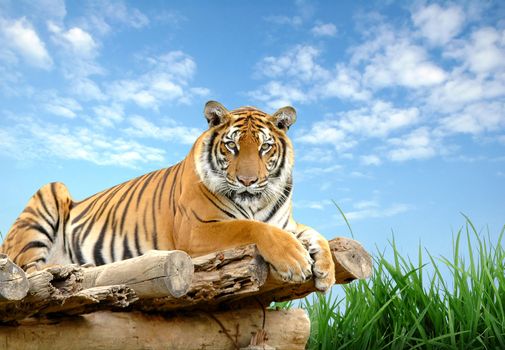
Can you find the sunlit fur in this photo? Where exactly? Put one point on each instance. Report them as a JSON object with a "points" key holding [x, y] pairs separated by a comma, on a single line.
{"points": [[233, 188]]}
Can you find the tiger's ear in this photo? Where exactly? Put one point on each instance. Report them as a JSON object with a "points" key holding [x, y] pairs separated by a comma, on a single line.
{"points": [[284, 117], [215, 113]]}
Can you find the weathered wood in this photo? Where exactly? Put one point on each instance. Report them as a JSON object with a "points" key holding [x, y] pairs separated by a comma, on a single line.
{"points": [[351, 260], [57, 290], [286, 329], [13, 282], [165, 281], [218, 276], [238, 274], [156, 273]]}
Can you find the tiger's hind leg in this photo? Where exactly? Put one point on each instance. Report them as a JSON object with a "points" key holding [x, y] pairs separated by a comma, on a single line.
{"points": [[39, 229]]}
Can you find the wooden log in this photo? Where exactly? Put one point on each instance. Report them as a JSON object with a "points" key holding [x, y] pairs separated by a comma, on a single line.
{"points": [[286, 329], [156, 273], [13, 282], [237, 275], [229, 274], [58, 290], [166, 281]]}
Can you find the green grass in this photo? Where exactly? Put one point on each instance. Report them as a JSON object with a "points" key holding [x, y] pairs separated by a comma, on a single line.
{"points": [[440, 303]]}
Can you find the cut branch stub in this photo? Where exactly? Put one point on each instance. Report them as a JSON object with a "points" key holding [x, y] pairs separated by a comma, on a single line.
{"points": [[155, 274], [351, 260], [13, 282]]}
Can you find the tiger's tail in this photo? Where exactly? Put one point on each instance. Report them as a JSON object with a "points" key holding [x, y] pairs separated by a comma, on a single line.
{"points": [[39, 227]]}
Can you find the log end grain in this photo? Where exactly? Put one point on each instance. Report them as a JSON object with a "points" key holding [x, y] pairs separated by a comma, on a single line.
{"points": [[351, 260], [13, 282]]}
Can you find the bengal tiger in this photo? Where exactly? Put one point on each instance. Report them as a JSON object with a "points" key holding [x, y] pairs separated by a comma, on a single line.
{"points": [[233, 188]]}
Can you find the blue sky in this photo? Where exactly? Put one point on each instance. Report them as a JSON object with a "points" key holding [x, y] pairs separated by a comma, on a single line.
{"points": [[401, 106]]}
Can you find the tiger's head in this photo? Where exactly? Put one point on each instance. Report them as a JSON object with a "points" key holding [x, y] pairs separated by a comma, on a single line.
{"points": [[246, 154]]}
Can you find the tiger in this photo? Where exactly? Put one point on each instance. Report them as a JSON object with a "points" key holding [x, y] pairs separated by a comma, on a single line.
{"points": [[233, 188]]}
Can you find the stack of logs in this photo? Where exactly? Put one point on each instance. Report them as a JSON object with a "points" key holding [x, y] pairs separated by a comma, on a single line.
{"points": [[162, 299]]}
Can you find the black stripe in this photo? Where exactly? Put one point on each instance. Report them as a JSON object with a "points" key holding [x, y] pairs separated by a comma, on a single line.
{"points": [[286, 192], [202, 220], [127, 206], [217, 206], [41, 215], [283, 159], [41, 229], [43, 202], [127, 254], [171, 195], [55, 197], [299, 234], [146, 182], [137, 245], [100, 210], [287, 221], [76, 248], [90, 205], [97, 248], [144, 224], [163, 182], [111, 246], [31, 245]]}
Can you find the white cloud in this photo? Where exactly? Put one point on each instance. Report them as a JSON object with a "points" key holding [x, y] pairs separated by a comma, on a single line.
{"points": [[371, 159], [297, 77], [371, 209], [404, 64], [483, 53], [319, 155], [53, 9], [276, 94], [77, 40], [324, 29], [299, 62], [104, 16], [166, 79], [294, 21], [63, 106], [108, 115], [476, 118], [461, 88], [377, 120], [418, 144], [31, 139], [20, 37], [86, 89], [141, 127], [326, 132], [344, 83], [439, 25], [317, 205]]}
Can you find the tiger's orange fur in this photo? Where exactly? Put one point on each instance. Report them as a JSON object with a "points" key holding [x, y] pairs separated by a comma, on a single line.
{"points": [[233, 188]]}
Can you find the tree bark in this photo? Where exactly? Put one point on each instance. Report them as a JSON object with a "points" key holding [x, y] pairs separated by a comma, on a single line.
{"points": [[286, 329]]}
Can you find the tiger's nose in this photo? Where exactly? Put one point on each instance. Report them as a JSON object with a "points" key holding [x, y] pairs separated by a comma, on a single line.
{"points": [[247, 180]]}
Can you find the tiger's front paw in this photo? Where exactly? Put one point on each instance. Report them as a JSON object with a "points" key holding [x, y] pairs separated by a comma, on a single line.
{"points": [[288, 257], [323, 268]]}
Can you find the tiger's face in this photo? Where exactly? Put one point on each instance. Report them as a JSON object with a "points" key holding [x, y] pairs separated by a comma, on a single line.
{"points": [[246, 154]]}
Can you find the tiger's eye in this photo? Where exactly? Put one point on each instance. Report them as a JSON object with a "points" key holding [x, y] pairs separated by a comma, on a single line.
{"points": [[265, 147], [231, 145]]}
